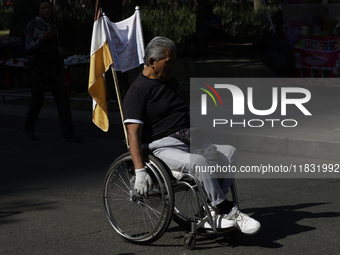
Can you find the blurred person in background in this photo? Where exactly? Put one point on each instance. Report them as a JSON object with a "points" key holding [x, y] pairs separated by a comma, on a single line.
{"points": [[45, 66]]}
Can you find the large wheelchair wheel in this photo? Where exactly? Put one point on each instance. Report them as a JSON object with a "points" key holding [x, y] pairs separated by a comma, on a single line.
{"points": [[188, 203], [138, 219]]}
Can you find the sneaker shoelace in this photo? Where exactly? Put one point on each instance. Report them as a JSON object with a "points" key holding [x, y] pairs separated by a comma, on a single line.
{"points": [[242, 218]]}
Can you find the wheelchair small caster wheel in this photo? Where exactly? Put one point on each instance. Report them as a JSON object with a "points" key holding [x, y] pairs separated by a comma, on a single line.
{"points": [[189, 241]]}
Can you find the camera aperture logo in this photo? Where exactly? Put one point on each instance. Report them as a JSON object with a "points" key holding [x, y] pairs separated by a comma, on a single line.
{"points": [[238, 105], [204, 97]]}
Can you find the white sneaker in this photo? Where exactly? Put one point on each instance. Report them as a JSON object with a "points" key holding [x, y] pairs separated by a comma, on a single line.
{"points": [[220, 220], [245, 224]]}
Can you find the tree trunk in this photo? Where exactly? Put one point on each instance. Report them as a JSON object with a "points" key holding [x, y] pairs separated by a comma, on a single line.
{"points": [[62, 5], [174, 4], [199, 14], [257, 5]]}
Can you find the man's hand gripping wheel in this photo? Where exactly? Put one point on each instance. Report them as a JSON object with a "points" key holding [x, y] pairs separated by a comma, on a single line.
{"points": [[143, 182]]}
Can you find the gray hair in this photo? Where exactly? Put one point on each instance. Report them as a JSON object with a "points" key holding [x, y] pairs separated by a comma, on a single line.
{"points": [[156, 48]]}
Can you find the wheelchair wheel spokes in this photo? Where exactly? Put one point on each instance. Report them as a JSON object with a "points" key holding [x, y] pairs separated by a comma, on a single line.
{"points": [[137, 218], [186, 208]]}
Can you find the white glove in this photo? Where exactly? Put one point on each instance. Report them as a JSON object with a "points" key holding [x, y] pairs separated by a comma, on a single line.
{"points": [[143, 181]]}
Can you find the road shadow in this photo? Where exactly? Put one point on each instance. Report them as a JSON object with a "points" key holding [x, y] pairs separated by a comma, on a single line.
{"points": [[277, 223], [10, 210]]}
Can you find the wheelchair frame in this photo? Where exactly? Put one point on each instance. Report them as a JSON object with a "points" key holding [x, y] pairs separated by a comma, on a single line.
{"points": [[148, 217]]}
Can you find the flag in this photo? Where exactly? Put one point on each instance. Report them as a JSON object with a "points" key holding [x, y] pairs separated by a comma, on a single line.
{"points": [[100, 62], [117, 44], [126, 44]]}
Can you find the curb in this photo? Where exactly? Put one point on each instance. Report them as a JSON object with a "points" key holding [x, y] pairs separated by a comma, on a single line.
{"points": [[283, 146], [12, 117]]}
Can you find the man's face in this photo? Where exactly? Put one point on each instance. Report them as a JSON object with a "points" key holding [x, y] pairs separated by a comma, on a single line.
{"points": [[164, 68]]}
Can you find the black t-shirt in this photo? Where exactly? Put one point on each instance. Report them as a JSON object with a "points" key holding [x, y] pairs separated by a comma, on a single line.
{"points": [[156, 105]]}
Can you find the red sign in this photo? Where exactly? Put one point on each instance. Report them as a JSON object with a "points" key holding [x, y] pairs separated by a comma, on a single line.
{"points": [[317, 56]]}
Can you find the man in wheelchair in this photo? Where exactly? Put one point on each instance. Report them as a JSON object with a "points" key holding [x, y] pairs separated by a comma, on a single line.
{"points": [[156, 116]]}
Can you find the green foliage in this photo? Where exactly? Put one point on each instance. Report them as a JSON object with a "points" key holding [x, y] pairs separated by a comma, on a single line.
{"points": [[163, 21], [228, 10], [5, 19], [4, 33], [240, 20], [75, 26], [175, 24]]}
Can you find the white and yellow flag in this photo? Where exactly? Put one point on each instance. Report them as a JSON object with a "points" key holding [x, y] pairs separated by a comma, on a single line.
{"points": [[126, 44], [118, 44]]}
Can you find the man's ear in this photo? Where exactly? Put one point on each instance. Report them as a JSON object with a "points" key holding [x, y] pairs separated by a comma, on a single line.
{"points": [[151, 62]]}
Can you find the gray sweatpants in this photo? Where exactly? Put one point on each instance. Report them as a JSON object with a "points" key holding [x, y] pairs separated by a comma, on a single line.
{"points": [[179, 159]]}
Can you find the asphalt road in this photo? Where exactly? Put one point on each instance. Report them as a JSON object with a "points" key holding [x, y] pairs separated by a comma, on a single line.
{"points": [[51, 203]]}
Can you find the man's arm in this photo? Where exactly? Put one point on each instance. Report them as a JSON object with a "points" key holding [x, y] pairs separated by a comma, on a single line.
{"points": [[143, 180], [135, 141]]}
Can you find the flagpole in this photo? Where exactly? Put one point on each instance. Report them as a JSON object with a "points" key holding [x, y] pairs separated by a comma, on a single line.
{"points": [[114, 74], [119, 99], [102, 42]]}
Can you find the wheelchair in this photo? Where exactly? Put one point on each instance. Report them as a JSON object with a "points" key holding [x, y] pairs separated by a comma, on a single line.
{"points": [[144, 219]]}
